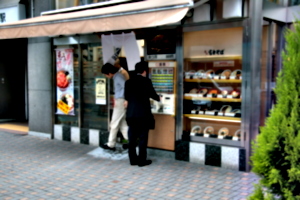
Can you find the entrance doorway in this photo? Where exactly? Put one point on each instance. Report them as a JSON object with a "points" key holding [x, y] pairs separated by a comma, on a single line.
{"points": [[13, 84]]}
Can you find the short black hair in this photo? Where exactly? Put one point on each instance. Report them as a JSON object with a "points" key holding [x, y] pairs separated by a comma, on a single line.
{"points": [[140, 67], [109, 68]]}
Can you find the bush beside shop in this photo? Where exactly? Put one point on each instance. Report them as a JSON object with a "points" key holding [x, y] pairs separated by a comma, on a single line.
{"points": [[276, 150]]}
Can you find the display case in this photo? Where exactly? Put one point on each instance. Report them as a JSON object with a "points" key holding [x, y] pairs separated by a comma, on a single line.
{"points": [[212, 92]]}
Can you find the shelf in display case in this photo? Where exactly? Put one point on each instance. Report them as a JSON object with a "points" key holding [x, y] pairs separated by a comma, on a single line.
{"points": [[213, 118], [212, 99], [214, 58], [214, 80], [215, 141]]}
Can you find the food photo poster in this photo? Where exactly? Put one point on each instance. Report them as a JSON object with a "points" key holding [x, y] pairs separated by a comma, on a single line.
{"points": [[64, 81]]}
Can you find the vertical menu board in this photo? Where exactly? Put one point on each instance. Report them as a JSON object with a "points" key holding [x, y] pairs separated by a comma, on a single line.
{"points": [[162, 76], [163, 79]]}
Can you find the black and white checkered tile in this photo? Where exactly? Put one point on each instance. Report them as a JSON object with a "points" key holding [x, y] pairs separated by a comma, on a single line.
{"points": [[79, 135], [214, 155], [195, 152]]}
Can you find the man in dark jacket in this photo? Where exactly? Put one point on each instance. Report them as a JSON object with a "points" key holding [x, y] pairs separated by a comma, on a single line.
{"points": [[138, 91]]}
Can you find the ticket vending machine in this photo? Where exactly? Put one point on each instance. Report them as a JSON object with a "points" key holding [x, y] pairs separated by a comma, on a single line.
{"points": [[162, 75]]}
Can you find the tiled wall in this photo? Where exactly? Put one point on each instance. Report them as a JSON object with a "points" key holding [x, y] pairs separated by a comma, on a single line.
{"points": [[83, 136], [214, 155], [204, 154]]}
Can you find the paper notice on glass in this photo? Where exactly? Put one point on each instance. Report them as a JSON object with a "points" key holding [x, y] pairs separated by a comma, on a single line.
{"points": [[100, 91]]}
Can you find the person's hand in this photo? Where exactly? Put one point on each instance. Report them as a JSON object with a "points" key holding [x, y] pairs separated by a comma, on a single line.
{"points": [[160, 97], [125, 104]]}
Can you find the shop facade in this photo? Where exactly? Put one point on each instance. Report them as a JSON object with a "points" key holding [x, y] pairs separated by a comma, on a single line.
{"points": [[206, 66]]}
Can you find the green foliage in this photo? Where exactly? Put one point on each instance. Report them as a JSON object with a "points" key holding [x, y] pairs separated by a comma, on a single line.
{"points": [[276, 150]]}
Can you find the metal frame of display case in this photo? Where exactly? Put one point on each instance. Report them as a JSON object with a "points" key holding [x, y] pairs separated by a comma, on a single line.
{"points": [[251, 52], [243, 141]]}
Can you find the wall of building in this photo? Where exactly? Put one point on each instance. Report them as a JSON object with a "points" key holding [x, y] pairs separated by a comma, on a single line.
{"points": [[40, 86]]}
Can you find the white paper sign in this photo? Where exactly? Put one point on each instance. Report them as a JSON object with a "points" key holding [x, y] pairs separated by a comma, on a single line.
{"points": [[206, 135], [100, 91], [220, 136]]}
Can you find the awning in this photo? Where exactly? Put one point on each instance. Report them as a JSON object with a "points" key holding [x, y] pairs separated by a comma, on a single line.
{"points": [[141, 14]]}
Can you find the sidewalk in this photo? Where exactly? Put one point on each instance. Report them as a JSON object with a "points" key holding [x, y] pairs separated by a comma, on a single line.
{"points": [[36, 168]]}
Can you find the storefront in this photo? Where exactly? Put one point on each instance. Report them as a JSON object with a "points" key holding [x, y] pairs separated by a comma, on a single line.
{"points": [[197, 70], [205, 64]]}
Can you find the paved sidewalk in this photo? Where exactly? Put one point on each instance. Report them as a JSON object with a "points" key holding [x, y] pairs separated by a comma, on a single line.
{"points": [[35, 168]]}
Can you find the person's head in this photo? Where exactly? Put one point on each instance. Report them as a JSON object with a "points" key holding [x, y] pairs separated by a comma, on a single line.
{"points": [[109, 70], [141, 68]]}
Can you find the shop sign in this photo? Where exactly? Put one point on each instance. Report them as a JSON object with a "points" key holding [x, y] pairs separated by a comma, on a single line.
{"points": [[65, 81], [100, 91]]}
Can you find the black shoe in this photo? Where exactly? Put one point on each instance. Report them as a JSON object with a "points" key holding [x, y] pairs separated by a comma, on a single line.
{"points": [[147, 162], [105, 146], [125, 146], [133, 164]]}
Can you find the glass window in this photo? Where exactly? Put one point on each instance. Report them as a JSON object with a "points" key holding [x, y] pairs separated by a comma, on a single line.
{"points": [[212, 85], [94, 115], [71, 3], [295, 2]]}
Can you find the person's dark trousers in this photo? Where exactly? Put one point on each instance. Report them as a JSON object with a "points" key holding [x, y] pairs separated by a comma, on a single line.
{"points": [[140, 135]]}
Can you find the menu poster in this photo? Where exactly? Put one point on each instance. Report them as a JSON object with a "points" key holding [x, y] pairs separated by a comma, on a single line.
{"points": [[100, 91], [65, 81]]}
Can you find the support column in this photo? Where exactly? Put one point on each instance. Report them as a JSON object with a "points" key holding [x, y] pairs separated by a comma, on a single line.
{"points": [[40, 87]]}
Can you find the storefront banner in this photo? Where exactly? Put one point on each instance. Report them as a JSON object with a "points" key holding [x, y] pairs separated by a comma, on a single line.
{"points": [[65, 81], [100, 90]]}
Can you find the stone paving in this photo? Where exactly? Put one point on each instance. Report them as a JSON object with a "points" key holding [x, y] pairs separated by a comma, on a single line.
{"points": [[36, 168]]}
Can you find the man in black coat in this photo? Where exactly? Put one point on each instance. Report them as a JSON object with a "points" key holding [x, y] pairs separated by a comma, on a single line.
{"points": [[138, 91]]}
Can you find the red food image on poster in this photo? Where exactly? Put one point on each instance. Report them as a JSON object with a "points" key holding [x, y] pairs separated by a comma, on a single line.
{"points": [[63, 79]]}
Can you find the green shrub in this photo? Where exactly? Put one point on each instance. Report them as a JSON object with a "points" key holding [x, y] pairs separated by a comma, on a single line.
{"points": [[276, 150]]}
